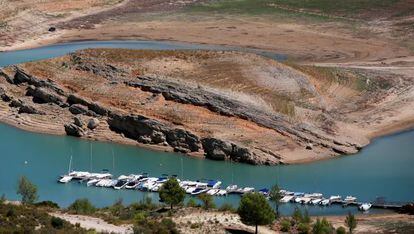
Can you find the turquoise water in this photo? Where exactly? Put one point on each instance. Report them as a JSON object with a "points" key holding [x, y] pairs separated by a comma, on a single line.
{"points": [[383, 169]]}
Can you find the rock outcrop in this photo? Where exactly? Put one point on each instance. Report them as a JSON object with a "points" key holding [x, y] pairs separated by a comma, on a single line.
{"points": [[30, 110], [21, 77], [93, 123], [41, 95], [74, 130], [219, 103], [217, 149], [92, 106], [78, 109], [4, 96], [151, 131]]}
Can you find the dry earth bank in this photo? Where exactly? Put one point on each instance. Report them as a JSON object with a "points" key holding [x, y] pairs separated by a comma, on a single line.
{"points": [[224, 105]]}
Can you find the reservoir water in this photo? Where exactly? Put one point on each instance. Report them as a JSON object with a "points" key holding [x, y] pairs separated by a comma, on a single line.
{"points": [[383, 169]]}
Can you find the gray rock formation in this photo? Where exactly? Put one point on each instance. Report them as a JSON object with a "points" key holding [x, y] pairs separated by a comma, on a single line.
{"points": [[93, 123], [22, 77], [74, 130], [30, 110], [16, 103], [4, 96], [78, 121], [92, 106], [78, 109], [146, 130], [217, 149], [216, 102], [41, 95]]}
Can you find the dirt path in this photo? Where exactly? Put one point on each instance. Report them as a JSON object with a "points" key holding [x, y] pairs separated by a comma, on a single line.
{"points": [[97, 224]]}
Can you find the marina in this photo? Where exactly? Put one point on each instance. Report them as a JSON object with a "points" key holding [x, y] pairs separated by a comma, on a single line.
{"points": [[144, 183]]}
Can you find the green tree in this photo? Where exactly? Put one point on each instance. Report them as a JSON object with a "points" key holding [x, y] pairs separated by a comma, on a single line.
{"points": [[306, 217], [82, 206], [322, 227], [206, 200], [171, 193], [341, 230], [350, 222], [255, 210], [275, 195], [27, 190]]}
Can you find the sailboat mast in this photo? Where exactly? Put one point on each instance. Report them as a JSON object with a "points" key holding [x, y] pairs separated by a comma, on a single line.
{"points": [[182, 168], [70, 164], [90, 163], [113, 160]]}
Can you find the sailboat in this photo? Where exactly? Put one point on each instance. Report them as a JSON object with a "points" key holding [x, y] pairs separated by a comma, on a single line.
{"points": [[67, 178]]}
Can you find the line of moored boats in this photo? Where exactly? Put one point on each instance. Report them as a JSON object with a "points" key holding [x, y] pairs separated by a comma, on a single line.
{"points": [[143, 182]]}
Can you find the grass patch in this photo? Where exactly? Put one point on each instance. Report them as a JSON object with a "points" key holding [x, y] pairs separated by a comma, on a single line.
{"points": [[309, 8]]}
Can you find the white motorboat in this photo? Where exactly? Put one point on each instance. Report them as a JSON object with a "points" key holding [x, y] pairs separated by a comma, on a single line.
{"points": [[325, 202], [335, 198], [316, 201], [198, 191], [65, 179], [313, 195], [221, 192], [286, 199], [365, 206], [213, 191], [190, 189], [213, 184], [350, 199], [306, 200], [231, 188], [298, 200], [92, 182], [247, 190]]}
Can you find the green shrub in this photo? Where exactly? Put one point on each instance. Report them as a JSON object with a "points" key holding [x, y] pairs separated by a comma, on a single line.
{"points": [[82, 206], [27, 190], [57, 222], [303, 228], [285, 225], [340, 230], [47, 204], [207, 201]]}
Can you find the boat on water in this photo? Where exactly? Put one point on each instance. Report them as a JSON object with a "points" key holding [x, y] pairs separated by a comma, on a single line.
{"points": [[213, 184], [213, 191], [365, 206], [350, 199], [65, 179], [305, 200], [286, 199], [335, 198], [325, 202], [264, 191], [92, 182], [316, 201], [313, 195], [298, 194], [232, 188], [221, 192], [198, 191]]}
